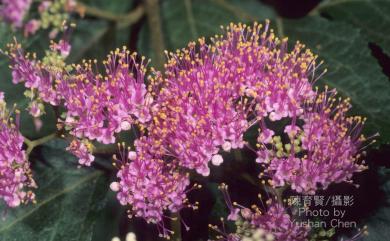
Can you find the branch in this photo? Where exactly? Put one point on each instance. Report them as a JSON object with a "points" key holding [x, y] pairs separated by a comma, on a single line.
{"points": [[32, 144], [152, 9], [123, 20], [176, 227], [105, 150]]}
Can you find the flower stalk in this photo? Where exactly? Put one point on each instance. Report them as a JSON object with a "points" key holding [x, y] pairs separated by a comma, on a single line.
{"points": [[176, 227], [157, 37], [32, 144]]}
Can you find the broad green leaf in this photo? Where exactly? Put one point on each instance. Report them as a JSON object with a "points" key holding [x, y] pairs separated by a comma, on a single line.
{"points": [[69, 201], [86, 40], [379, 222], [187, 20], [116, 6], [371, 16], [351, 68]]}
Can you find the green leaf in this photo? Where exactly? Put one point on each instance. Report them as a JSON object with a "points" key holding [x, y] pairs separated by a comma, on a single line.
{"points": [[351, 68], [86, 39], [187, 20], [117, 6], [378, 224], [371, 16], [69, 201]]}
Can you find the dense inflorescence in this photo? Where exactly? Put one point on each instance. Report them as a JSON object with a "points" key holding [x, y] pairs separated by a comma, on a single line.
{"points": [[99, 105], [52, 13], [149, 185], [318, 148], [39, 76], [212, 93], [15, 174], [14, 11], [208, 97], [277, 79], [270, 222], [197, 110], [278, 222]]}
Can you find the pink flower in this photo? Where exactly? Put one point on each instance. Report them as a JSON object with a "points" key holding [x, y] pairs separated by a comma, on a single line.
{"points": [[211, 94], [16, 177], [14, 11], [34, 74], [149, 185], [323, 150], [279, 80], [273, 220], [101, 105], [31, 27], [277, 221], [197, 109], [82, 149], [63, 47], [44, 6]]}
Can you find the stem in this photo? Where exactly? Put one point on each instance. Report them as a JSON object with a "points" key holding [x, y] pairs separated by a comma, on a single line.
{"points": [[238, 155], [32, 144], [157, 37], [105, 150], [176, 227], [279, 193], [123, 20], [279, 26]]}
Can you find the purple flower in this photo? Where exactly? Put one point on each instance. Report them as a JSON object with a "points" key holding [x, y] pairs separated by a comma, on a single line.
{"points": [[272, 221], [277, 79], [211, 94], [31, 27], [63, 47], [324, 149], [82, 149], [198, 109], [276, 221], [15, 173], [35, 75], [14, 11], [100, 105], [149, 185]]}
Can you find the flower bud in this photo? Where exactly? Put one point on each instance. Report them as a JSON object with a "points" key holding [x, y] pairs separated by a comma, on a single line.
{"points": [[114, 186], [217, 160]]}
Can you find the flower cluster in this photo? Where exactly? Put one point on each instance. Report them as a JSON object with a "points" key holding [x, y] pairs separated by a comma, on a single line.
{"points": [[99, 105], [209, 92], [53, 13], [149, 185], [212, 93], [277, 221], [15, 174], [39, 76], [317, 148], [14, 11], [208, 97], [82, 149], [197, 110], [272, 222], [277, 79]]}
